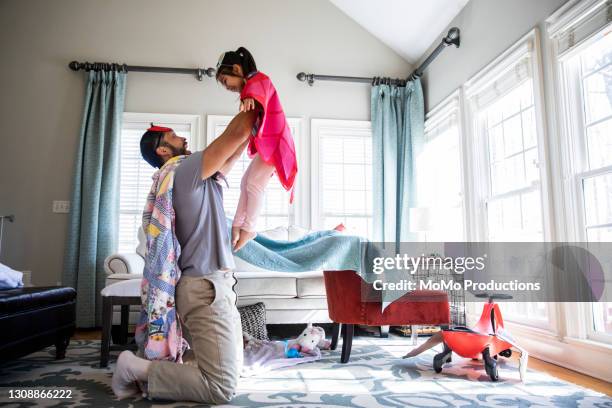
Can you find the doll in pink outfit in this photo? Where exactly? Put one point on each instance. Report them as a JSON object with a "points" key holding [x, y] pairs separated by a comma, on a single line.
{"points": [[270, 146]]}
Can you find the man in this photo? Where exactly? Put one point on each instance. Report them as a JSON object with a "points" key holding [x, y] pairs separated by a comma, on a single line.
{"points": [[205, 299]]}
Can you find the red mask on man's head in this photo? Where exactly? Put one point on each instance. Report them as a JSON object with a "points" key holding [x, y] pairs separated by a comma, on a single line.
{"points": [[154, 128]]}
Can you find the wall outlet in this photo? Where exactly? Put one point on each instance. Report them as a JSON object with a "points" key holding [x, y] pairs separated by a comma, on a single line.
{"points": [[61, 207]]}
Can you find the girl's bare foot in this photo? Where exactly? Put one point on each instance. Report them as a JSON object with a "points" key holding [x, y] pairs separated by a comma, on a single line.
{"points": [[235, 236], [432, 341], [245, 236]]}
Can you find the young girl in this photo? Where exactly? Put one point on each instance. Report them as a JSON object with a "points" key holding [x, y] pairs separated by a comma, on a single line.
{"points": [[270, 146]]}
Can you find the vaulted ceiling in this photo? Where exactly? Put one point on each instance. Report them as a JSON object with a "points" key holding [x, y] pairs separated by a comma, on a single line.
{"points": [[407, 26]]}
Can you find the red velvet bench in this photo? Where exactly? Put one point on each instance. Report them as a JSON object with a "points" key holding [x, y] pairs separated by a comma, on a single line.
{"points": [[345, 291]]}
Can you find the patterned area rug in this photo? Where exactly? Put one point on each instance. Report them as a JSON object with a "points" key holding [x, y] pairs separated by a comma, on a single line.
{"points": [[375, 377]]}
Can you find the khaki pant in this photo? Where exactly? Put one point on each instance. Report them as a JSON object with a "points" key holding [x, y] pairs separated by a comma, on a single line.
{"points": [[206, 305]]}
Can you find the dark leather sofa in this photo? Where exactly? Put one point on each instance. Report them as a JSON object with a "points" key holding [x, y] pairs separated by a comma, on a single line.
{"points": [[32, 318]]}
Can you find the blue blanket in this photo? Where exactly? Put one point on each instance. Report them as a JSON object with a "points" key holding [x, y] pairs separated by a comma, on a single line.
{"points": [[323, 250], [319, 251]]}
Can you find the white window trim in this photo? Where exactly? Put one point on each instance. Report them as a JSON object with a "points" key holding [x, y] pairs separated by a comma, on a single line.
{"points": [[476, 152], [296, 212], [450, 106], [529, 43], [562, 24], [170, 119], [586, 18], [316, 125]]}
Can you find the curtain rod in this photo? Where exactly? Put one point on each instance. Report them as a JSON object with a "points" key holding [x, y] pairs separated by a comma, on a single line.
{"points": [[99, 66], [452, 38]]}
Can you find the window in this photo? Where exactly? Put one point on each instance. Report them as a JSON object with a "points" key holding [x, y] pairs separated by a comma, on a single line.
{"points": [[276, 210], [439, 173], [510, 185], [135, 173], [504, 113], [342, 175], [587, 82]]}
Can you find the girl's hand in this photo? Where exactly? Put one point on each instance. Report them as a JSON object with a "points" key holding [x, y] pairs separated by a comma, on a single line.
{"points": [[247, 104]]}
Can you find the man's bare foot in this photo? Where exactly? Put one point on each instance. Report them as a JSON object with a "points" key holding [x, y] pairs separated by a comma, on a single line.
{"points": [[235, 235], [245, 236], [124, 379]]}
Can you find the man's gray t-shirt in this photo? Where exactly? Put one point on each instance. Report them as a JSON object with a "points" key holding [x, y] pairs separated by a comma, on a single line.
{"points": [[201, 226]]}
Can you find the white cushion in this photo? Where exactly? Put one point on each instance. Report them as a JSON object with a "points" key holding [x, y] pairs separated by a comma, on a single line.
{"points": [[273, 275], [120, 277], [311, 287], [295, 232], [266, 288], [126, 288], [287, 304], [278, 233]]}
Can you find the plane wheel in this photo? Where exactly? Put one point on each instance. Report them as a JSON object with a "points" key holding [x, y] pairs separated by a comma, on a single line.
{"points": [[490, 365], [440, 359]]}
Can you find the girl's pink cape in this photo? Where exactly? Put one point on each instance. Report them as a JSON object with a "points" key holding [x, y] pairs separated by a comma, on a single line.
{"points": [[273, 141]]}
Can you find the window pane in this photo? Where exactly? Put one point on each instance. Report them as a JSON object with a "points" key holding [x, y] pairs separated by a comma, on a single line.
{"points": [[439, 179], [598, 93], [595, 56], [602, 317], [496, 143], [529, 129], [345, 194], [514, 202], [600, 234], [532, 169], [513, 136], [595, 78], [598, 199], [599, 144]]}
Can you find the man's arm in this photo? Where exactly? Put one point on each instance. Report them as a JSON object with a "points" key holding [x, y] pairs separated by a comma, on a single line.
{"points": [[216, 155], [229, 164]]}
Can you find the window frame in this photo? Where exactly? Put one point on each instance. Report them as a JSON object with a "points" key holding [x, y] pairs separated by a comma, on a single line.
{"points": [[529, 43], [316, 126], [570, 31], [170, 120], [478, 154], [444, 111]]}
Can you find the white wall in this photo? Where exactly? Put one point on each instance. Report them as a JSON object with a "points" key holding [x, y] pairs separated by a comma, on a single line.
{"points": [[41, 99], [488, 27]]}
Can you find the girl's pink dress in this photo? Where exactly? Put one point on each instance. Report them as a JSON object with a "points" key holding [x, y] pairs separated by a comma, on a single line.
{"points": [[273, 140]]}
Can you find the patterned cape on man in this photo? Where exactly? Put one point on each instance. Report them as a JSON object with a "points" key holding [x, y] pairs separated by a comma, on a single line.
{"points": [[158, 333]]}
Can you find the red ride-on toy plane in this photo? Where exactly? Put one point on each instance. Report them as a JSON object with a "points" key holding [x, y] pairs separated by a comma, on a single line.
{"points": [[488, 338]]}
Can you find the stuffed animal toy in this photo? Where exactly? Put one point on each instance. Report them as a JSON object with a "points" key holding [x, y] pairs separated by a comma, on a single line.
{"points": [[309, 340]]}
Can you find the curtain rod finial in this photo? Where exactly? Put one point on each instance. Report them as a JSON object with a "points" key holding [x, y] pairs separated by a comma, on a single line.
{"points": [[453, 37], [74, 65]]}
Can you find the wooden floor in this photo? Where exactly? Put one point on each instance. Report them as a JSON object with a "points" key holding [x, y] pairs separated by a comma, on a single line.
{"points": [[535, 364]]}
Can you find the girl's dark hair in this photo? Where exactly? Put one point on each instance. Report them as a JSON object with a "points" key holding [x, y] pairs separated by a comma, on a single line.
{"points": [[241, 56]]}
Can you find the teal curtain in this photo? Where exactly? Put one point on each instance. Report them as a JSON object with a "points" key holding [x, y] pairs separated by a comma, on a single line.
{"points": [[398, 117], [92, 233]]}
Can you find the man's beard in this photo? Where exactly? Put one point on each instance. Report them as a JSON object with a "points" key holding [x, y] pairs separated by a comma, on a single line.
{"points": [[177, 151]]}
